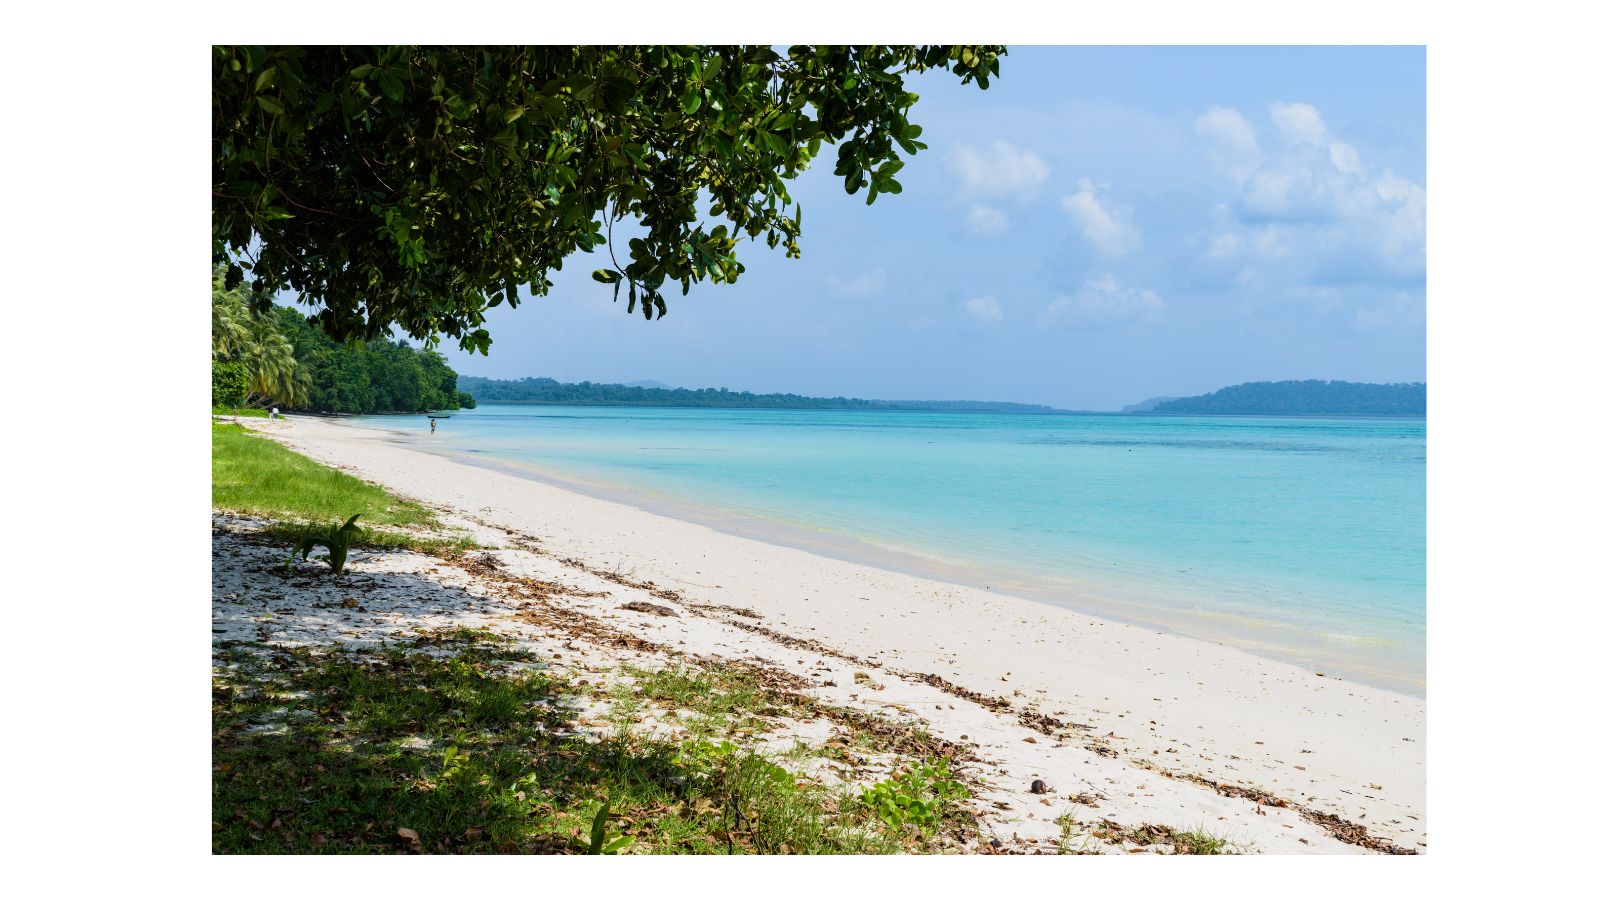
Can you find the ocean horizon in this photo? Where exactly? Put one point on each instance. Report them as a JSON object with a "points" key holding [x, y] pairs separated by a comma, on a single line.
{"points": [[1301, 539]]}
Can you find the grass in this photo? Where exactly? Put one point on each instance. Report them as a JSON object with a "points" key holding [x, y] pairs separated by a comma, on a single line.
{"points": [[372, 539], [1198, 842], [722, 701], [239, 411], [464, 742], [253, 475]]}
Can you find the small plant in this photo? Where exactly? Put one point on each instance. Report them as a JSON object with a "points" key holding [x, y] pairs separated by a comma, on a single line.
{"points": [[337, 540], [599, 842], [914, 796]]}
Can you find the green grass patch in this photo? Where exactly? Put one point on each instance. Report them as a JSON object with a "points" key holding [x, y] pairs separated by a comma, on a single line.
{"points": [[239, 411], [457, 743], [722, 701], [253, 475]]}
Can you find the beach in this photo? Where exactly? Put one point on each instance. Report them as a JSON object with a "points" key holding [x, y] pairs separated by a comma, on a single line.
{"points": [[1147, 726]]}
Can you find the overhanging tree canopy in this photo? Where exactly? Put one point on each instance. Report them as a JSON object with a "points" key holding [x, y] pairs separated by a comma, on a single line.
{"points": [[418, 186]]}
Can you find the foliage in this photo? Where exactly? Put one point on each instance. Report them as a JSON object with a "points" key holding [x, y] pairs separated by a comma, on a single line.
{"points": [[1305, 398], [250, 474], [547, 390], [466, 400], [375, 539], [230, 383], [243, 340], [419, 186], [337, 751], [915, 795], [337, 540], [377, 376]]}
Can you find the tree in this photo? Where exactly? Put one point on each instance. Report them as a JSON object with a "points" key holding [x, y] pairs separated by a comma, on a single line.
{"points": [[418, 187], [252, 341]]}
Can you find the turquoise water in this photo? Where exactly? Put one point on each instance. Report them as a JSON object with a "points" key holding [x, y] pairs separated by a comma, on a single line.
{"points": [[1298, 538]]}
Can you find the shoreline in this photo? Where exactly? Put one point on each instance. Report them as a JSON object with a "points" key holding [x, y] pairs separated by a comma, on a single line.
{"points": [[1160, 702], [1093, 595]]}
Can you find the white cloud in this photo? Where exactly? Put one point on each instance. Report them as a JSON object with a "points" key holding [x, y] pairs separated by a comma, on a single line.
{"points": [[864, 285], [1223, 246], [1307, 201], [1102, 301], [1001, 170], [983, 219], [1110, 230], [1230, 141], [985, 309], [1300, 122]]}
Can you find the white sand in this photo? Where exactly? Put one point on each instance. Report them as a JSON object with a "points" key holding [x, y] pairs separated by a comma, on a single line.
{"points": [[1187, 706]]}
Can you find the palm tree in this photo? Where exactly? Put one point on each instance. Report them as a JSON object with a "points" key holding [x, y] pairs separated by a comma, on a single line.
{"points": [[230, 320], [238, 333]]}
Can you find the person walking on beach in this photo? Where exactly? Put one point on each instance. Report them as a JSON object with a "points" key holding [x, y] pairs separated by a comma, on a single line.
{"points": [[433, 425], [273, 414]]}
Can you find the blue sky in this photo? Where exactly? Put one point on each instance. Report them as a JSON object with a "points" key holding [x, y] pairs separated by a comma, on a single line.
{"points": [[1102, 225]]}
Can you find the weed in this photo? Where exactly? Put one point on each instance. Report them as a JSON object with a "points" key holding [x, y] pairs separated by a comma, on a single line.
{"points": [[915, 795], [599, 842], [337, 540]]}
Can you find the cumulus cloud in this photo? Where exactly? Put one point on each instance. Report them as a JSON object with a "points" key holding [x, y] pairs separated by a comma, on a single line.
{"points": [[1307, 199], [864, 285], [1109, 229], [983, 219], [1103, 301], [985, 309], [1230, 141], [1000, 170]]}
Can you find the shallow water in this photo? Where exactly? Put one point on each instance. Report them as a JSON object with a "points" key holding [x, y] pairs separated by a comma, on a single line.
{"points": [[1300, 538]]}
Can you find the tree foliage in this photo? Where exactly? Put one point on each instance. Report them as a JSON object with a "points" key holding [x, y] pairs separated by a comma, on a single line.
{"points": [[418, 187], [378, 376], [251, 339], [230, 384]]}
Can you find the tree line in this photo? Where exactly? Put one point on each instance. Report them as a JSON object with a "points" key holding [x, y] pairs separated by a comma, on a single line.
{"points": [[1305, 398], [550, 391], [275, 357]]}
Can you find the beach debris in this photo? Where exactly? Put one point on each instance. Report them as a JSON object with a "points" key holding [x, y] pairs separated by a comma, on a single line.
{"points": [[654, 609], [1038, 786]]}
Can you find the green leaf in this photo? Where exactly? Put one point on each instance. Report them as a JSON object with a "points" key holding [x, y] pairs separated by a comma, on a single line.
{"points": [[270, 105], [607, 276]]}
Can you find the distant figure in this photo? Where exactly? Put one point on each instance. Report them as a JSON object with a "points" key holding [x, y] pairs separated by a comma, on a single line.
{"points": [[273, 414], [433, 425]]}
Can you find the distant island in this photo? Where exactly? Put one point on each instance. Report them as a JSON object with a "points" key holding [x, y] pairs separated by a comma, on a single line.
{"points": [[1299, 398], [549, 391]]}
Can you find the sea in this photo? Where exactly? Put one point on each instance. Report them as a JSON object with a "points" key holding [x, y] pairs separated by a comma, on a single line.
{"points": [[1301, 539]]}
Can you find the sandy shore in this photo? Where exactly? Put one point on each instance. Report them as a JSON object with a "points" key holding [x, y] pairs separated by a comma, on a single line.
{"points": [[1162, 728]]}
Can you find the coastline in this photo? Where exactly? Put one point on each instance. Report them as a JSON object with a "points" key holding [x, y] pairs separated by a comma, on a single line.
{"points": [[1180, 704], [1112, 595]]}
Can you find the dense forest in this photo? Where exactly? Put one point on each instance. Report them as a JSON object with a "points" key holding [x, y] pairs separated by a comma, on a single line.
{"points": [[1305, 398], [378, 376], [274, 357], [548, 390]]}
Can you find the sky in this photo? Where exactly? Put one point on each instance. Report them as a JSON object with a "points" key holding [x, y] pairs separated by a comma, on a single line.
{"points": [[1101, 226]]}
